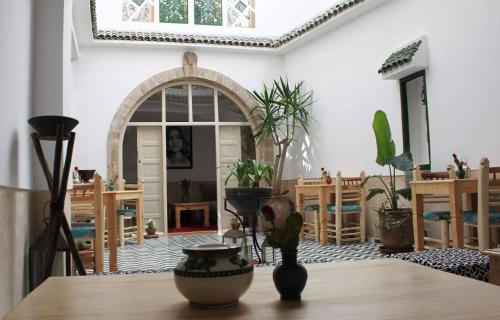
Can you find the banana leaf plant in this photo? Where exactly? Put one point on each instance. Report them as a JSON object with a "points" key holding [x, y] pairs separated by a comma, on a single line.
{"points": [[386, 156], [282, 110]]}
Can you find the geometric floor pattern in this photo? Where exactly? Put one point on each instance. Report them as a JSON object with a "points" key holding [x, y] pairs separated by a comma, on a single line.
{"points": [[164, 253]]}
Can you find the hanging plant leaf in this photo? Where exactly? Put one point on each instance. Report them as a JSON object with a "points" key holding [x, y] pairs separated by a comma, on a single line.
{"points": [[403, 162]]}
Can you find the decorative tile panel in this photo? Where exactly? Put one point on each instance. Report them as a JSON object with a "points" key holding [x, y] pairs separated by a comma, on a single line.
{"points": [[240, 13], [208, 12], [174, 11], [138, 10]]}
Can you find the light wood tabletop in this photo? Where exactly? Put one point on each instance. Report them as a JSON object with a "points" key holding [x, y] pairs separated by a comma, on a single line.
{"points": [[370, 289]]}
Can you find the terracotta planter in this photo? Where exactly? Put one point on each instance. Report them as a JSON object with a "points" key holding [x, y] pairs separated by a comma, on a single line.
{"points": [[151, 230], [282, 207], [396, 230]]}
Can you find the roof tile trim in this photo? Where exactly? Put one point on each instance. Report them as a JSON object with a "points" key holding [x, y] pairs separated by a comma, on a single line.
{"points": [[400, 57], [236, 41]]}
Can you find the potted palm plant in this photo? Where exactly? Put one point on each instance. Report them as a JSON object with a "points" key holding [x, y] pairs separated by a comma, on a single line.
{"points": [[395, 224], [282, 111]]}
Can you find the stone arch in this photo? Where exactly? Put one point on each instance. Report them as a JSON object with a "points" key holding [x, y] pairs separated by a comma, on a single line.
{"points": [[189, 71]]}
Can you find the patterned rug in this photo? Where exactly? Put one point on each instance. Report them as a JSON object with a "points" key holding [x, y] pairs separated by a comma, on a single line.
{"points": [[163, 254]]}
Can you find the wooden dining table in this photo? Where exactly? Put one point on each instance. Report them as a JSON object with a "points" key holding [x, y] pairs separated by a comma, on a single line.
{"points": [[454, 189], [323, 191], [110, 200], [369, 289]]}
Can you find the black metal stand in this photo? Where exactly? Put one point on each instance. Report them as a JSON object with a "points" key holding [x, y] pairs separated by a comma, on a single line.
{"points": [[57, 186], [253, 223]]}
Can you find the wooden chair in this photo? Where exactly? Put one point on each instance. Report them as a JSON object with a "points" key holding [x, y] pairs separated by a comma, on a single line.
{"points": [[311, 208], [128, 214], [86, 209], [434, 217], [348, 214], [487, 218]]}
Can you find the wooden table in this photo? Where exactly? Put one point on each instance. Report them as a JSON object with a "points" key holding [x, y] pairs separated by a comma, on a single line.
{"points": [[185, 206], [370, 289], [323, 191], [452, 188], [110, 199], [494, 265]]}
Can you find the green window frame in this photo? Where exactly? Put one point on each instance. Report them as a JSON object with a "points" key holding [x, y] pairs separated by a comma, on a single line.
{"points": [[404, 113]]}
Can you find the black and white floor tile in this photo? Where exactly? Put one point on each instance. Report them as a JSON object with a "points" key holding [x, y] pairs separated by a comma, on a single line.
{"points": [[164, 253]]}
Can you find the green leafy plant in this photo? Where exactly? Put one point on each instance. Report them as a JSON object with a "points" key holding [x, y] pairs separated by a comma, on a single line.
{"points": [[283, 237], [386, 156], [282, 109], [250, 172]]}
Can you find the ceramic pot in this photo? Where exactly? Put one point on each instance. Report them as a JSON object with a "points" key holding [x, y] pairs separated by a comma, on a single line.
{"points": [[86, 175], [235, 226], [290, 277], [213, 275]]}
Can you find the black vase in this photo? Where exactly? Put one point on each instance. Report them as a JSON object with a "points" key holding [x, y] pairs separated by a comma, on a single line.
{"points": [[290, 277]]}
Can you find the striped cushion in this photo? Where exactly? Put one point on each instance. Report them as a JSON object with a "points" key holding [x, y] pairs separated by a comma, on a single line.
{"points": [[126, 212], [471, 217], [83, 230], [437, 215], [311, 207], [348, 208]]}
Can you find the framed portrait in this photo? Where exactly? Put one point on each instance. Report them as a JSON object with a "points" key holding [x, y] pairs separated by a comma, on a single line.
{"points": [[179, 147]]}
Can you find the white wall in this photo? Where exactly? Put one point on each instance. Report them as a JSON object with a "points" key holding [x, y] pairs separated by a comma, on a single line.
{"points": [[15, 94], [104, 76], [462, 83], [52, 67], [16, 25]]}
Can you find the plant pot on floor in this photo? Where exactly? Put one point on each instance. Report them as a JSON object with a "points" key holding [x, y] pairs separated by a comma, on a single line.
{"points": [[396, 231]]}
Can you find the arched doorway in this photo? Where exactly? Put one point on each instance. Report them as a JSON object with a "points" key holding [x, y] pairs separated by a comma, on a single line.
{"points": [[192, 104]]}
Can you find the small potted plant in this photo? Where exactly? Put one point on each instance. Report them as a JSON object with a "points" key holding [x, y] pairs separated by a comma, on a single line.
{"points": [[185, 190], [150, 229], [462, 170], [289, 277], [249, 173], [395, 224]]}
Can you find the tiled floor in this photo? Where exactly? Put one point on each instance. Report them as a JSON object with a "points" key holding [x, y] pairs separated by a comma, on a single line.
{"points": [[164, 253]]}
